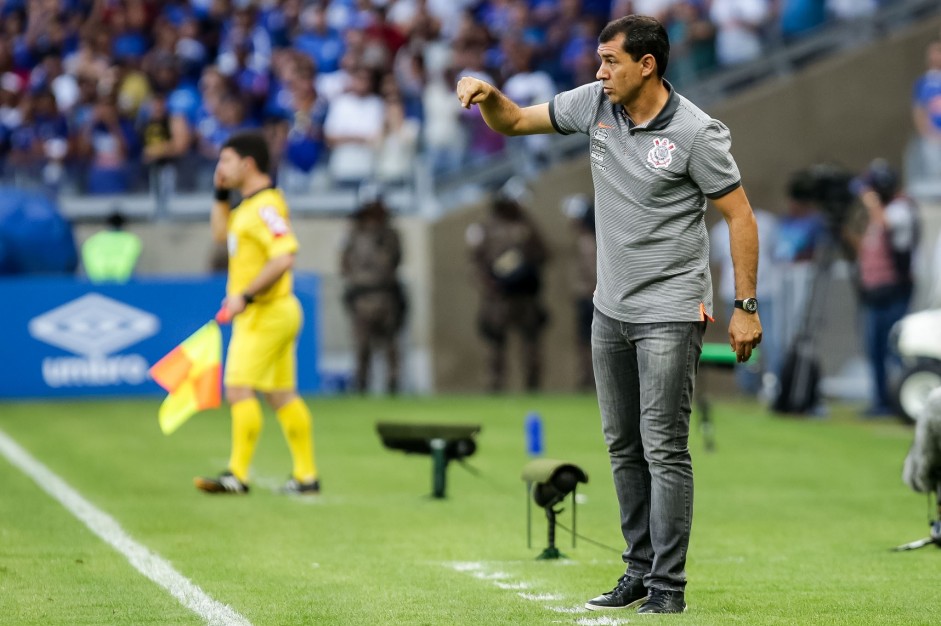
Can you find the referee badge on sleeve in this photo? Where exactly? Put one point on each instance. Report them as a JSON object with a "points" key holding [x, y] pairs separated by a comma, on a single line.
{"points": [[274, 221], [661, 153]]}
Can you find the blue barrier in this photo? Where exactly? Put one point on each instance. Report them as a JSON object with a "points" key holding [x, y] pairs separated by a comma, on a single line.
{"points": [[67, 337]]}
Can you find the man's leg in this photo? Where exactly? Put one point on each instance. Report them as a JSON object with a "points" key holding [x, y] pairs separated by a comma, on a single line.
{"points": [[492, 325], [530, 318], [584, 311], [297, 426], [886, 317], [361, 341], [899, 310], [388, 341], [668, 357], [875, 351], [245, 355], [532, 355], [293, 414], [614, 359], [246, 428]]}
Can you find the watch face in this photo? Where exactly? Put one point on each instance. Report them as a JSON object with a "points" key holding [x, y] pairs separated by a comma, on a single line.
{"points": [[750, 305]]}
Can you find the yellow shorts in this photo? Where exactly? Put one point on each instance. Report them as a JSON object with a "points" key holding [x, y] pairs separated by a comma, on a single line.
{"points": [[262, 352]]}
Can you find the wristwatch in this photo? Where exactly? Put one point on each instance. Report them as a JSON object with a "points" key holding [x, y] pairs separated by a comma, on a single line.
{"points": [[749, 305]]}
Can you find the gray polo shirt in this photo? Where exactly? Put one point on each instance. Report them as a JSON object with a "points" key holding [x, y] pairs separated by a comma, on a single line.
{"points": [[651, 184]]}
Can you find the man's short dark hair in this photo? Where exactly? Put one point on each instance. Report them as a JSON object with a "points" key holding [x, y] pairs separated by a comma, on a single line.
{"points": [[250, 143], [642, 35]]}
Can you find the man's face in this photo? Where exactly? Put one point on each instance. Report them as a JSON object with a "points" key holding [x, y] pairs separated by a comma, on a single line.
{"points": [[230, 170], [620, 75], [934, 56]]}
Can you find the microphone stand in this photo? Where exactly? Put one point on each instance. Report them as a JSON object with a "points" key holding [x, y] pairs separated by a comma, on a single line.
{"points": [[934, 536]]}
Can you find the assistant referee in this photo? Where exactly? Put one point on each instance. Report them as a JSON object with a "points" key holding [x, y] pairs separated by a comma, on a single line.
{"points": [[266, 316]]}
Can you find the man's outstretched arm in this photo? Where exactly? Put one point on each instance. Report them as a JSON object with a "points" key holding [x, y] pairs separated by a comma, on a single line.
{"points": [[502, 114]]}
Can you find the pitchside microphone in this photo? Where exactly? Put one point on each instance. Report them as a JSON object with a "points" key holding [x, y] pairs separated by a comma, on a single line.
{"points": [[922, 469]]}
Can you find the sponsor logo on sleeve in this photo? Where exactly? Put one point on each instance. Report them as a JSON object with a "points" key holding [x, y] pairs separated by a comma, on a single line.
{"points": [[599, 149], [274, 221]]}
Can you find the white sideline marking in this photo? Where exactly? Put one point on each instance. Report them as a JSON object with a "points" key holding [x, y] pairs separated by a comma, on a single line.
{"points": [[482, 571], [512, 586], [600, 621], [107, 528], [539, 597], [568, 609], [467, 566]]}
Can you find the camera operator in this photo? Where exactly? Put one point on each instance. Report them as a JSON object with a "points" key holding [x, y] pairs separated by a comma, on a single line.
{"points": [[884, 253], [804, 251]]}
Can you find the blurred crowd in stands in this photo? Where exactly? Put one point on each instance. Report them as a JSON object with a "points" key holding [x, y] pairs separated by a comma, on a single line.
{"points": [[112, 96]]}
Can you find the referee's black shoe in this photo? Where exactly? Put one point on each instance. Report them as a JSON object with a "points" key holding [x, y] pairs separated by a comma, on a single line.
{"points": [[295, 487], [628, 594], [226, 482]]}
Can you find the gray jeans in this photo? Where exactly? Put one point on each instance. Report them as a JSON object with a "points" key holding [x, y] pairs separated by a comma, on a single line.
{"points": [[645, 375]]}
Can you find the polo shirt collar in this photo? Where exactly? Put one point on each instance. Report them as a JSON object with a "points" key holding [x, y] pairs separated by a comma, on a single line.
{"points": [[252, 195], [663, 118]]}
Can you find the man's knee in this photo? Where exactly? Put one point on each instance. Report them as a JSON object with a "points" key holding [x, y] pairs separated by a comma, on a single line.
{"points": [[278, 399], [667, 455], [492, 331], [238, 394], [622, 444]]}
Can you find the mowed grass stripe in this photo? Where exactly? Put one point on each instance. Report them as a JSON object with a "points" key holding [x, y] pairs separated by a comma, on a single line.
{"points": [[793, 519], [107, 528], [54, 571]]}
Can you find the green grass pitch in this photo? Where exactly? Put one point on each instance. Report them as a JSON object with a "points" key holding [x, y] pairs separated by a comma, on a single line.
{"points": [[793, 521]]}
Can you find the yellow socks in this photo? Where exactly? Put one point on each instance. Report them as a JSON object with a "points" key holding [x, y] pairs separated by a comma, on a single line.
{"points": [[246, 426], [296, 423]]}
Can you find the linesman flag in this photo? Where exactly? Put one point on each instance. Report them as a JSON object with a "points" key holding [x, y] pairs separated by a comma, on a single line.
{"points": [[192, 374]]}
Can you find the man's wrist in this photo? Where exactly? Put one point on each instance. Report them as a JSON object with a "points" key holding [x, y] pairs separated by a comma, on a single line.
{"points": [[222, 195], [749, 305], [248, 298]]}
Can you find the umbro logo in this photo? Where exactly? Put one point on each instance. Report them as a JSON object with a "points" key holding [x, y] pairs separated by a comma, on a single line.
{"points": [[93, 325]]}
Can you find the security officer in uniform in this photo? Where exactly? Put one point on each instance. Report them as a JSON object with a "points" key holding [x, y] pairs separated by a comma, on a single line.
{"points": [[508, 255], [373, 295], [580, 210]]}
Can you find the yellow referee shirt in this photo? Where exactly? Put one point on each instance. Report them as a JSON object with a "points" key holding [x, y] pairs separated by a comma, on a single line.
{"points": [[259, 230]]}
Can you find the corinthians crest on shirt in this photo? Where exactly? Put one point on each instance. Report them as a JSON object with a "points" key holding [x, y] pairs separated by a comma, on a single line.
{"points": [[661, 154]]}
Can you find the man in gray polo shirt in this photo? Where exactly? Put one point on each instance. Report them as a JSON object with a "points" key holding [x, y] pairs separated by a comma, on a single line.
{"points": [[655, 158]]}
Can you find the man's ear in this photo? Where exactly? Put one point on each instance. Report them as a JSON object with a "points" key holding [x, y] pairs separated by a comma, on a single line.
{"points": [[648, 65]]}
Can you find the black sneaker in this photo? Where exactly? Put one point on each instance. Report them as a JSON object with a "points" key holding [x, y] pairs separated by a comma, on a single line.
{"points": [[664, 601], [628, 594], [225, 483], [295, 487]]}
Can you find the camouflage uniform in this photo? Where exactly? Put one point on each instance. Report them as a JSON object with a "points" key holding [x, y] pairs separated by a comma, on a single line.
{"points": [[373, 294], [584, 280], [508, 254]]}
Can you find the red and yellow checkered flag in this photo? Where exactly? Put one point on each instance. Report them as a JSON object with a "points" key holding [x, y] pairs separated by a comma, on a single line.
{"points": [[192, 374]]}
